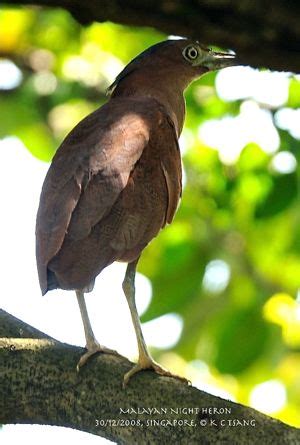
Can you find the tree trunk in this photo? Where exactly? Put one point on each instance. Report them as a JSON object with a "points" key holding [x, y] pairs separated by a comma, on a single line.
{"points": [[263, 33], [39, 384]]}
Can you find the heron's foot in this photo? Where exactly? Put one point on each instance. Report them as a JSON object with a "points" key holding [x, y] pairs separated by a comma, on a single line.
{"points": [[92, 348], [148, 363]]}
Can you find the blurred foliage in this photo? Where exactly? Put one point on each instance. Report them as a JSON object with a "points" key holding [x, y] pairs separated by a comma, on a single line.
{"points": [[245, 213]]}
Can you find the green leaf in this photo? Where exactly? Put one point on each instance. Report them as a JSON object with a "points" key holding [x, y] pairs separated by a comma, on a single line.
{"points": [[281, 195], [294, 94], [241, 339], [176, 279]]}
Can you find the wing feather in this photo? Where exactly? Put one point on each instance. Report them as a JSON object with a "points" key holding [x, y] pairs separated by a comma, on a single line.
{"points": [[87, 174]]}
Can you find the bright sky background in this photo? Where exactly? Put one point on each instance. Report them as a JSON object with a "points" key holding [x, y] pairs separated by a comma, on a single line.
{"points": [[57, 313]]}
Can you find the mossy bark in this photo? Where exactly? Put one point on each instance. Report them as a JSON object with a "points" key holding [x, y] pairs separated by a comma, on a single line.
{"points": [[39, 384]]}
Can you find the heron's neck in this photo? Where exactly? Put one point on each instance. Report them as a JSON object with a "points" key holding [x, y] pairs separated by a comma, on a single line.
{"points": [[174, 103], [169, 94]]}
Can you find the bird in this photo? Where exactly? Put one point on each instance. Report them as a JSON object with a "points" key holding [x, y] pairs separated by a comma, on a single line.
{"points": [[115, 181]]}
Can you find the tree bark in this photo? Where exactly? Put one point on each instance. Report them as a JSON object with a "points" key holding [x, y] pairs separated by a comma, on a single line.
{"points": [[263, 33], [39, 384]]}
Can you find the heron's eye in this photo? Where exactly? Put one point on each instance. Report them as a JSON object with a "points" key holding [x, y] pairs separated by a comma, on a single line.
{"points": [[190, 53]]}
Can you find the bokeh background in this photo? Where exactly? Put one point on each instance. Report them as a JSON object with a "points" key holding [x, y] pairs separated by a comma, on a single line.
{"points": [[218, 290]]}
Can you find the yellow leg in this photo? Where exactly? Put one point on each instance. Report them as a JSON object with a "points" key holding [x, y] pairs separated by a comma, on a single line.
{"points": [[145, 361], [92, 344]]}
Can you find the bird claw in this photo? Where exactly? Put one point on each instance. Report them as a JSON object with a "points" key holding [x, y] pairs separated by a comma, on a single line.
{"points": [[151, 364], [91, 350]]}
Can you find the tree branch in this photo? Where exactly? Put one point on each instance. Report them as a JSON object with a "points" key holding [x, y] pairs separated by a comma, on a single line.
{"points": [[39, 384], [261, 35]]}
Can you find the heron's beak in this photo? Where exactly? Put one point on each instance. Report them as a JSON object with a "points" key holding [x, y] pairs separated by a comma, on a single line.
{"points": [[216, 61]]}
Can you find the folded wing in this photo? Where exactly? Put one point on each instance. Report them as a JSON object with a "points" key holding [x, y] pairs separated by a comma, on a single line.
{"points": [[88, 172]]}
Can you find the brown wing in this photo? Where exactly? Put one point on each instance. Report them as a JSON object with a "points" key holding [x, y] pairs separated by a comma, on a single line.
{"points": [[140, 211], [151, 196], [169, 165], [89, 171]]}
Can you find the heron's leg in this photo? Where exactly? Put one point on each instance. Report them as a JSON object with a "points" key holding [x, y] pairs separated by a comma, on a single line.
{"points": [[145, 361], [92, 344]]}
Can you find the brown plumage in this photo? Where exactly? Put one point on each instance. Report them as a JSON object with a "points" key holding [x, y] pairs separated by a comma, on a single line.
{"points": [[115, 181], [107, 202]]}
